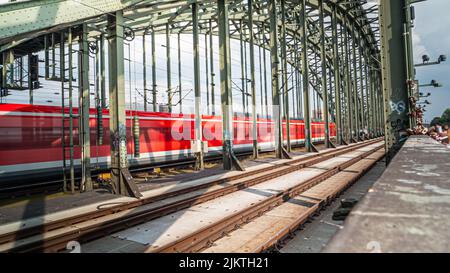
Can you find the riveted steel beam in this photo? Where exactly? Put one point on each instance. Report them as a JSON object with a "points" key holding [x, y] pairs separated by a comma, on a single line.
{"points": [[122, 180], [305, 76], [197, 87], [83, 62], [324, 85], [229, 159], [252, 79], [337, 78], [394, 74], [20, 18]]}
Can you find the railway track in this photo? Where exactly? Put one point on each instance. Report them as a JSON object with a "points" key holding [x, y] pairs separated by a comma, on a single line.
{"points": [[204, 237], [54, 235], [270, 231], [56, 185]]}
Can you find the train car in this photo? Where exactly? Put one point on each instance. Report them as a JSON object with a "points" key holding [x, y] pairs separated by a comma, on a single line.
{"points": [[31, 138]]}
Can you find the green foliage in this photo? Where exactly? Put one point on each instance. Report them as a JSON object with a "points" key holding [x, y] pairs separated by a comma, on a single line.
{"points": [[435, 121], [446, 117], [443, 120]]}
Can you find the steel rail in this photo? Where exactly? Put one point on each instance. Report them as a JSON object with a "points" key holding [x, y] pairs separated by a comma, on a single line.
{"points": [[54, 186], [282, 234], [135, 217], [204, 237]]}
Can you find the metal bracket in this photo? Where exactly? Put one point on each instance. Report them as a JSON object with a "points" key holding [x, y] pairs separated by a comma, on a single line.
{"points": [[332, 145], [236, 163], [133, 190], [285, 154], [199, 164], [314, 148]]}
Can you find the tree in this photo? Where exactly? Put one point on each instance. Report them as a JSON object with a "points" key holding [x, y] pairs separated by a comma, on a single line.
{"points": [[443, 120], [435, 121]]}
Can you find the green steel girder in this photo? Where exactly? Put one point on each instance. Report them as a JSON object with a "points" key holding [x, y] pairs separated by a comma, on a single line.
{"points": [[395, 73], [142, 15], [165, 10], [138, 14], [45, 14]]}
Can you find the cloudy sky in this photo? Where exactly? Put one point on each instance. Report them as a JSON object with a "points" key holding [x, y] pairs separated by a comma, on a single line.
{"points": [[432, 37]]}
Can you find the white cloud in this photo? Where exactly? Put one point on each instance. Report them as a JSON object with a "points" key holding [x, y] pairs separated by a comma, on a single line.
{"points": [[419, 47]]}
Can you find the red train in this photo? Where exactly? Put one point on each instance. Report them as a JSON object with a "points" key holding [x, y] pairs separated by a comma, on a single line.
{"points": [[31, 138]]}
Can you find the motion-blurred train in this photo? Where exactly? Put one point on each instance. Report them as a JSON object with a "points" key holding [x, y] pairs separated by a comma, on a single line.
{"points": [[31, 138]]}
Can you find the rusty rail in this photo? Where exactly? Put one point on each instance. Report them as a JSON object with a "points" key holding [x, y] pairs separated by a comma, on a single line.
{"points": [[56, 241], [205, 236]]}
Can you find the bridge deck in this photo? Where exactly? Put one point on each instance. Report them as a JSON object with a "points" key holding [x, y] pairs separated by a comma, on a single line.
{"points": [[408, 208]]}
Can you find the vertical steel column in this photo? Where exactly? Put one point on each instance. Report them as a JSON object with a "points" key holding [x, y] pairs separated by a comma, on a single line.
{"points": [[129, 75], [53, 56], [305, 75], [331, 99], [361, 94], [229, 159], [208, 105], [153, 71], [20, 60], [261, 92], [46, 58], [394, 74], [379, 104], [197, 87], [323, 61], [62, 76], [293, 88], [102, 72], [144, 70], [367, 97], [347, 97], [252, 78], [180, 91], [211, 55], [86, 182], [298, 67], [276, 111], [285, 89], [168, 63], [11, 69], [316, 114], [3, 90], [337, 77], [243, 79], [382, 116], [296, 79], [97, 75], [245, 71], [21, 71], [30, 82], [121, 179], [266, 96], [375, 104], [70, 88], [355, 84], [408, 45], [372, 107]]}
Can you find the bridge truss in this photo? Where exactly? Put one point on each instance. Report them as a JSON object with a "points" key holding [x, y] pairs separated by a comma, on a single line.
{"points": [[326, 50]]}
